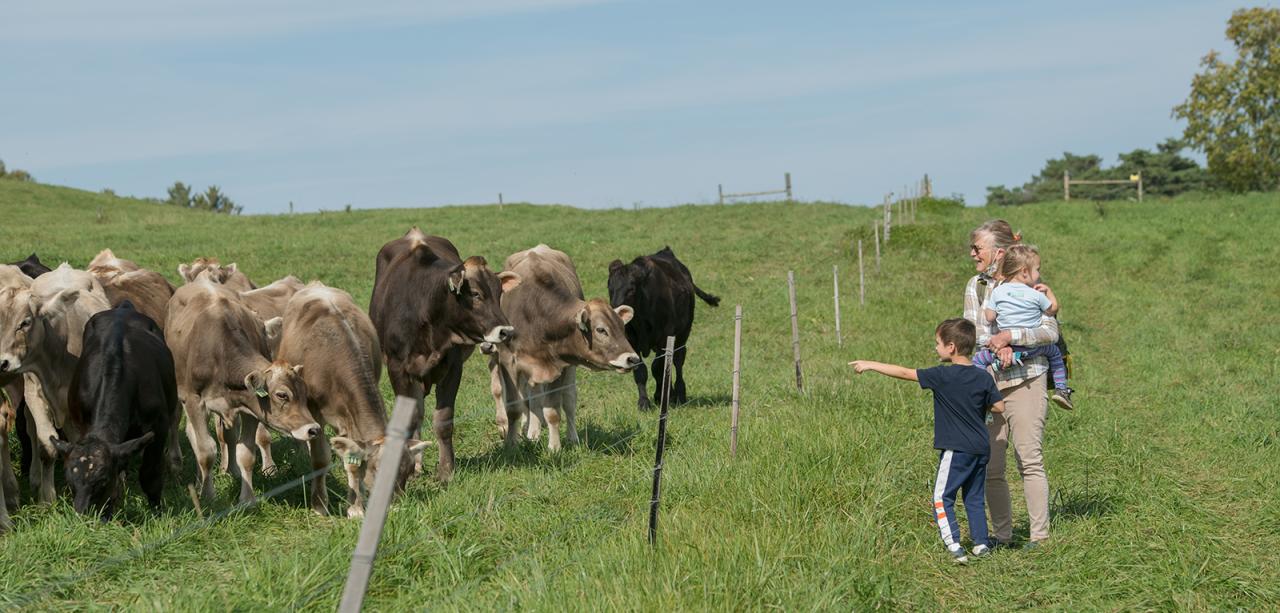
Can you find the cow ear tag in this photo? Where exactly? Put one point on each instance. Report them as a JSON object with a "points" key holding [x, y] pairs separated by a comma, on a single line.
{"points": [[261, 392], [352, 459], [453, 288]]}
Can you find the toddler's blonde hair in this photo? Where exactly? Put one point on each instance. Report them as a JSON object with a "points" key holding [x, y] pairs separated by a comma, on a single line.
{"points": [[1017, 258]]}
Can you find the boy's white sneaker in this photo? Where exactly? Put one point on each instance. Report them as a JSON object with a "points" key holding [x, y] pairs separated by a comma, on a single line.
{"points": [[959, 556]]}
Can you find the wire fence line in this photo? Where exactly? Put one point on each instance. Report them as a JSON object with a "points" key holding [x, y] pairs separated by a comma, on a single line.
{"points": [[56, 586]]}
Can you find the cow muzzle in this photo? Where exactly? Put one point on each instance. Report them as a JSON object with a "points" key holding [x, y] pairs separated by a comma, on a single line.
{"points": [[627, 362], [9, 363], [500, 334], [307, 432]]}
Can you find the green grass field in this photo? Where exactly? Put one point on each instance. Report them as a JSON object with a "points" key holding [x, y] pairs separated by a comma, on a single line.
{"points": [[1163, 480]]}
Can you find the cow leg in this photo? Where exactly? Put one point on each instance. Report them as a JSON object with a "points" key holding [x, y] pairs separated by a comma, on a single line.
{"points": [[534, 419], [659, 363], [8, 482], [224, 449], [151, 473], [355, 495], [442, 422], [511, 405], [263, 439], [677, 390], [499, 398], [202, 443], [173, 450], [40, 428], [641, 375], [320, 454], [569, 401], [549, 400], [245, 456]]}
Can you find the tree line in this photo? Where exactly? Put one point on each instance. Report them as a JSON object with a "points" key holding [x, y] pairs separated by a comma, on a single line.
{"points": [[1233, 118], [211, 199]]}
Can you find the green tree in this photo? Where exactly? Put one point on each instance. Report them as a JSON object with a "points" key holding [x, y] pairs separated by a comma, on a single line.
{"points": [[1233, 111], [180, 195], [214, 200]]}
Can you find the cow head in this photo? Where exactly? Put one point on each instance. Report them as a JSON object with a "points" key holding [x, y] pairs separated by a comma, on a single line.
{"points": [[282, 396], [92, 469], [23, 325], [477, 293], [362, 460], [626, 282], [215, 271], [603, 330]]}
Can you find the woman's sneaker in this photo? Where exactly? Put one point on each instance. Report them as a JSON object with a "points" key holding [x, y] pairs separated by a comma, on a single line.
{"points": [[1061, 396], [981, 551]]}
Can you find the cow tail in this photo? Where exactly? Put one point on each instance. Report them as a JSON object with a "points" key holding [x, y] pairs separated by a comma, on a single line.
{"points": [[707, 298]]}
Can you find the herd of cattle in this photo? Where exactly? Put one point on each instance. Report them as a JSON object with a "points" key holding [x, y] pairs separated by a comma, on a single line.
{"points": [[100, 364]]}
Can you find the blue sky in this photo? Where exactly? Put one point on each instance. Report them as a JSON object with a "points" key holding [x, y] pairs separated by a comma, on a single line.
{"points": [[591, 103]]}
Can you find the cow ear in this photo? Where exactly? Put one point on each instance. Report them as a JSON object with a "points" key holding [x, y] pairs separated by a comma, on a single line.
{"points": [[69, 296], [62, 446], [347, 450], [457, 278], [231, 269], [184, 271], [273, 327], [510, 280], [584, 320], [127, 448], [256, 380], [297, 369], [615, 266], [625, 312]]}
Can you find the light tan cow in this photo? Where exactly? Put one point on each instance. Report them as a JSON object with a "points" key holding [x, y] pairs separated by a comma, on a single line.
{"points": [[124, 280], [10, 396], [270, 301], [41, 335], [557, 330], [228, 275], [221, 358], [335, 341]]}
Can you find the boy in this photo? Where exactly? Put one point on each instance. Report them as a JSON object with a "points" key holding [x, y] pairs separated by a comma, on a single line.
{"points": [[962, 393]]}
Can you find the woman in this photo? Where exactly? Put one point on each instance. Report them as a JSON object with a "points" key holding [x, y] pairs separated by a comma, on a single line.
{"points": [[1026, 407]]}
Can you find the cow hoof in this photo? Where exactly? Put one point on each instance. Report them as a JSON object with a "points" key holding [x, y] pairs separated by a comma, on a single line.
{"points": [[269, 470], [354, 512], [321, 511], [645, 405]]}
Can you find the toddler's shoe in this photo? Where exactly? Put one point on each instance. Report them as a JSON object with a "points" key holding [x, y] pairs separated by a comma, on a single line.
{"points": [[959, 556], [1061, 396]]}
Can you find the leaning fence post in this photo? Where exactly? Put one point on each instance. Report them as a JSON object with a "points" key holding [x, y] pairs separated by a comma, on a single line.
{"points": [[737, 370], [788, 179], [877, 233], [888, 219], [835, 284], [720, 189], [379, 501], [665, 397], [795, 329], [862, 280]]}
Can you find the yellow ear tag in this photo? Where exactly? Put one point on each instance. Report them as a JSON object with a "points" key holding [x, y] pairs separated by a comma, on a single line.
{"points": [[352, 459], [261, 392]]}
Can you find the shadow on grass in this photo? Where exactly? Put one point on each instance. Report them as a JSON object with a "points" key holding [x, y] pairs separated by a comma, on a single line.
{"points": [[610, 441], [711, 400], [1073, 505]]}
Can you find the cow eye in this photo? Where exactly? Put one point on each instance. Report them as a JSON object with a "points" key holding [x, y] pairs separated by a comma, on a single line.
{"points": [[25, 323], [476, 295], [282, 396], [602, 332]]}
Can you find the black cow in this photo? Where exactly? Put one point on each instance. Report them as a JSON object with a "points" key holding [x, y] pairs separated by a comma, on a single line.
{"points": [[660, 289], [124, 387], [32, 267], [431, 309]]}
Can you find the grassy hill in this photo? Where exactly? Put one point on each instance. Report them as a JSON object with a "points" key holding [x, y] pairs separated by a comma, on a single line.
{"points": [[1163, 480]]}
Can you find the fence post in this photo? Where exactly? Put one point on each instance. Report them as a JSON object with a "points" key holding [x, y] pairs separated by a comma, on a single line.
{"points": [[1139, 186], [737, 370], [499, 199], [788, 177], [888, 219], [795, 329], [662, 439], [862, 278], [1066, 185], [835, 284], [379, 501], [720, 188], [877, 233], [928, 187]]}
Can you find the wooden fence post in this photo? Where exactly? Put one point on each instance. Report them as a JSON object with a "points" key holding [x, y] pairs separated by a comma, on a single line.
{"points": [[1066, 185], [835, 284], [1139, 186], [788, 178], [379, 501], [877, 233], [720, 188], [499, 199], [888, 219], [795, 329], [737, 370], [862, 278], [662, 439]]}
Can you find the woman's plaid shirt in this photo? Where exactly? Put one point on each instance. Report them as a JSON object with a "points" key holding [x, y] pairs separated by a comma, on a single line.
{"points": [[975, 296]]}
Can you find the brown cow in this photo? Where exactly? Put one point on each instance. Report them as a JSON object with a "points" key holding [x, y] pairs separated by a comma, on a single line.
{"points": [[269, 302], [123, 280], [220, 355], [431, 309], [228, 275], [327, 333], [559, 330], [41, 335], [10, 396]]}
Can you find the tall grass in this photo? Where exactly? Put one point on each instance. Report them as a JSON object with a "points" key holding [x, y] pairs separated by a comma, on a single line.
{"points": [[1163, 480]]}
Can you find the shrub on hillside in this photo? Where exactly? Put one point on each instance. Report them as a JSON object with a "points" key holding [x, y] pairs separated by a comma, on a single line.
{"points": [[1165, 172]]}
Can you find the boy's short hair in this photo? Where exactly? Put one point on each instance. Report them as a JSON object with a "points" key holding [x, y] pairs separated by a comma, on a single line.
{"points": [[960, 332]]}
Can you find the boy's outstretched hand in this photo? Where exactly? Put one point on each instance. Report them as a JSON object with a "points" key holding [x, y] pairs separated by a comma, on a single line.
{"points": [[860, 366]]}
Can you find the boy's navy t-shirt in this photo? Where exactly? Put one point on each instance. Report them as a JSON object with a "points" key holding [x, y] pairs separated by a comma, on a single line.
{"points": [[961, 395]]}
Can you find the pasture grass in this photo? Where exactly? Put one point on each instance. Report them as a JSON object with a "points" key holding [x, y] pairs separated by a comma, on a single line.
{"points": [[1163, 480]]}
